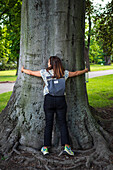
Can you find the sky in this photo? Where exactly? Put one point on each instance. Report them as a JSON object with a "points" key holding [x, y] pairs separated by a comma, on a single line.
{"points": [[103, 3]]}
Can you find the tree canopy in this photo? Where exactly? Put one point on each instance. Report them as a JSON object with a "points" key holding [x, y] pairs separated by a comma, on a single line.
{"points": [[10, 17], [104, 28], [99, 31]]}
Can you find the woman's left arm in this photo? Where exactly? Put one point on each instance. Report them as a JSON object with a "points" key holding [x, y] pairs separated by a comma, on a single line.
{"points": [[77, 73], [30, 72]]}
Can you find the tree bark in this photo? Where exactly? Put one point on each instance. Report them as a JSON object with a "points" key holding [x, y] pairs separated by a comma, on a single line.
{"points": [[50, 28]]}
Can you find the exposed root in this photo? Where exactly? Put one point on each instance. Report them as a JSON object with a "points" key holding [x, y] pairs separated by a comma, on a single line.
{"points": [[97, 156], [46, 167], [28, 149], [100, 163], [88, 151], [35, 160], [16, 151], [76, 166], [13, 150], [31, 158], [98, 159], [60, 153]]}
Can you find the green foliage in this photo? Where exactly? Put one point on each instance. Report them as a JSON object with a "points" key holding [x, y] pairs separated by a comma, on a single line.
{"points": [[95, 51], [104, 28], [100, 91], [9, 75], [98, 30], [90, 39], [4, 98], [10, 18]]}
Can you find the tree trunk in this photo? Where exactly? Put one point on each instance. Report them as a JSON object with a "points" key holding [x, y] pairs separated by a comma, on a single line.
{"points": [[50, 28]]}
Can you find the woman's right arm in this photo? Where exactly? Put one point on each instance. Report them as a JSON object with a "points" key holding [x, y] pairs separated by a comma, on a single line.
{"points": [[77, 73], [33, 73]]}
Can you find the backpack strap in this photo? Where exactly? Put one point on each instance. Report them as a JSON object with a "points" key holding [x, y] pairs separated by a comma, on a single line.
{"points": [[50, 73]]}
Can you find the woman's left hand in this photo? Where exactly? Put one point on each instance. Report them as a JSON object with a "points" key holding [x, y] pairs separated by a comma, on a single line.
{"points": [[86, 70]]}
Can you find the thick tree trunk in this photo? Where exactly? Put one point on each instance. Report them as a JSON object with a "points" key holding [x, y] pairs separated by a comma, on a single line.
{"points": [[50, 28]]}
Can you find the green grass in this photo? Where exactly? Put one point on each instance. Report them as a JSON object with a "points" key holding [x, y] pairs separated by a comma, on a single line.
{"points": [[9, 75], [4, 98], [100, 91], [98, 67]]}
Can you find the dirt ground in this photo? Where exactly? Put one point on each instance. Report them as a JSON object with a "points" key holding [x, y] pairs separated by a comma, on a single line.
{"points": [[29, 161]]}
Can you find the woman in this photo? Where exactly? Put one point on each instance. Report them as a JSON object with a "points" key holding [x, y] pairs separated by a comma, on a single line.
{"points": [[54, 78]]}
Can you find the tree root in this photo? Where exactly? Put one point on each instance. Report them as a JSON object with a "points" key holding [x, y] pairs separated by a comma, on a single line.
{"points": [[97, 159], [97, 156], [28, 149], [105, 123], [76, 166], [30, 158], [88, 151], [46, 167], [13, 150]]}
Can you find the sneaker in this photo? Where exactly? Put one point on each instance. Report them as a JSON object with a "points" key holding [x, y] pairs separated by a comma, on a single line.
{"points": [[68, 150], [44, 150]]}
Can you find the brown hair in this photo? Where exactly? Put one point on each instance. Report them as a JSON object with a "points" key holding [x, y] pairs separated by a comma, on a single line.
{"points": [[57, 67]]}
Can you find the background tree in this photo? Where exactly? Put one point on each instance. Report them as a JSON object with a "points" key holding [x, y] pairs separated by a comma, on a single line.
{"points": [[52, 28], [103, 30], [96, 55], [100, 35], [88, 14], [10, 15], [3, 47]]}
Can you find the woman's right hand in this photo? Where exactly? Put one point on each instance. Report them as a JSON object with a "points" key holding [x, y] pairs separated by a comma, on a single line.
{"points": [[22, 69]]}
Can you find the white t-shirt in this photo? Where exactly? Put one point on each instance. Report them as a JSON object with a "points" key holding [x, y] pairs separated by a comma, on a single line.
{"points": [[45, 74]]}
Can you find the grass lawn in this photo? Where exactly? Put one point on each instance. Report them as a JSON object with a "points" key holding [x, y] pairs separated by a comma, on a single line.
{"points": [[98, 67], [100, 91], [9, 75], [4, 98]]}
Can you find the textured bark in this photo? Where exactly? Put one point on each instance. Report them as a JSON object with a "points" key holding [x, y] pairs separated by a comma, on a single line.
{"points": [[51, 28]]}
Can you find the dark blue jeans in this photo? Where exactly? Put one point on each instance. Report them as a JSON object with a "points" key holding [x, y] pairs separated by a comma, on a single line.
{"points": [[55, 104]]}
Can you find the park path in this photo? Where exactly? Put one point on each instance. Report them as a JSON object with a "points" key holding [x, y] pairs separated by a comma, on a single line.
{"points": [[5, 87], [100, 73]]}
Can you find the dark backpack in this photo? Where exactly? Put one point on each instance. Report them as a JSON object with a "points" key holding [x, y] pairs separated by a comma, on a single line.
{"points": [[56, 86]]}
